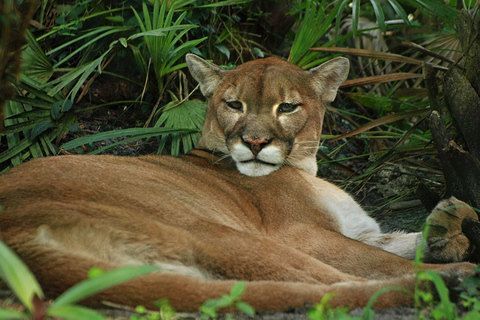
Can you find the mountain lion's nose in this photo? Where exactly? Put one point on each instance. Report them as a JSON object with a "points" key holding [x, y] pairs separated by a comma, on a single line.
{"points": [[256, 144]]}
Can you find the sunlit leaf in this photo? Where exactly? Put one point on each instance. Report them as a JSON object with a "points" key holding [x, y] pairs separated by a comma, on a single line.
{"points": [[104, 281], [18, 277], [72, 312], [6, 314]]}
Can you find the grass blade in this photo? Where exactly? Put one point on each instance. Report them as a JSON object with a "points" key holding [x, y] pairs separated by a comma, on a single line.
{"points": [[137, 132], [104, 281], [355, 15], [377, 7], [400, 11], [71, 312]]}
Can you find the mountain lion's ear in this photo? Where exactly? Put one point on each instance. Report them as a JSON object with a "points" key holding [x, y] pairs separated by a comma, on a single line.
{"points": [[328, 77], [207, 74]]}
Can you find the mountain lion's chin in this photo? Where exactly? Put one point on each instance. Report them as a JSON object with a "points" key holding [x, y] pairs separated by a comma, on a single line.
{"points": [[255, 168]]}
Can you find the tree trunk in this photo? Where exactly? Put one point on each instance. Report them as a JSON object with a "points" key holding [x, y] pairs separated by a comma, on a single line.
{"points": [[458, 140]]}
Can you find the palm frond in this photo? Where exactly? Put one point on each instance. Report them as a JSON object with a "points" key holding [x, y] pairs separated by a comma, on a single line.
{"points": [[182, 114]]}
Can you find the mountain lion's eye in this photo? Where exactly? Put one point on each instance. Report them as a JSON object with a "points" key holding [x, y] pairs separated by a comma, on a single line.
{"points": [[287, 107], [235, 105]]}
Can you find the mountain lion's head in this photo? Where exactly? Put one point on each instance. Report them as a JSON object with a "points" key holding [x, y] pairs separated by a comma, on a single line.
{"points": [[266, 113]]}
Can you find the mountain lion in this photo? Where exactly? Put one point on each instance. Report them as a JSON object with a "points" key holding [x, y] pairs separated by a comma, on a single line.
{"points": [[244, 205]]}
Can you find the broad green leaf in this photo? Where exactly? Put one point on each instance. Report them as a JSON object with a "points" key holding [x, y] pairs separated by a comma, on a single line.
{"points": [[72, 312], [237, 290], [18, 277], [95, 272], [40, 128], [245, 308], [106, 280], [60, 107], [123, 42], [258, 52], [223, 50], [6, 314]]}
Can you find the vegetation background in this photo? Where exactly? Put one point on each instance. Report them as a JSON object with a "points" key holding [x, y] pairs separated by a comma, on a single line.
{"points": [[90, 76], [93, 75]]}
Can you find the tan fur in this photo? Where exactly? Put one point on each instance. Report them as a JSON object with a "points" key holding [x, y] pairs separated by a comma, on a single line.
{"points": [[203, 222]]}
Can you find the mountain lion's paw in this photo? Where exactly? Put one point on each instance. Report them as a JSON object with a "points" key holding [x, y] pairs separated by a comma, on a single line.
{"points": [[446, 241]]}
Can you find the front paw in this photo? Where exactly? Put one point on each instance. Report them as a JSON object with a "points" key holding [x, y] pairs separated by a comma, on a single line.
{"points": [[446, 241]]}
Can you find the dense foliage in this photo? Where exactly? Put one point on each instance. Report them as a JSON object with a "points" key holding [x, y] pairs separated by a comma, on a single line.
{"points": [[125, 58], [68, 67]]}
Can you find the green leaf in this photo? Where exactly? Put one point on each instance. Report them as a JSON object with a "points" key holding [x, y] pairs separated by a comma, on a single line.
{"points": [[400, 11], [139, 59], [92, 16], [107, 280], [115, 18], [95, 272], [40, 128], [35, 63], [60, 107], [103, 32], [72, 312], [440, 286], [137, 133], [6, 314], [123, 42], [377, 7], [245, 308], [367, 312], [355, 15], [237, 290], [188, 114], [223, 3], [18, 277], [315, 24], [223, 50], [258, 52]]}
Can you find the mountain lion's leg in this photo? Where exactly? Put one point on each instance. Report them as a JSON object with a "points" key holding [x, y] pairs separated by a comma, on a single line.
{"points": [[224, 254], [59, 270], [445, 240]]}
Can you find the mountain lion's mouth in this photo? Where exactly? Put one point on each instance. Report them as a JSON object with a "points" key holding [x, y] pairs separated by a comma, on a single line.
{"points": [[260, 162]]}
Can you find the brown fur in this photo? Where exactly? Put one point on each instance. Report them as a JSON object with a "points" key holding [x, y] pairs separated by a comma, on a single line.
{"points": [[205, 223]]}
